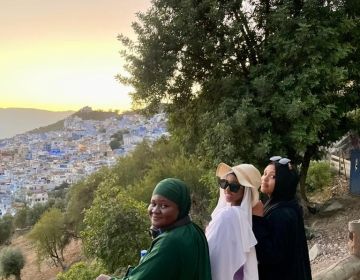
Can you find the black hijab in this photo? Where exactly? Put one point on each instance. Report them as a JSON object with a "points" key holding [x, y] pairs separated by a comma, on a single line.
{"points": [[286, 182]]}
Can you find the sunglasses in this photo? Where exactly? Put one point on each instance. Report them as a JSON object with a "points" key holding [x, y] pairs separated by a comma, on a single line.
{"points": [[233, 187], [280, 160]]}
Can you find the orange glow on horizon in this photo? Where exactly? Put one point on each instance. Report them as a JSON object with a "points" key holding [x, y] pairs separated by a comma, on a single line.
{"points": [[64, 55]]}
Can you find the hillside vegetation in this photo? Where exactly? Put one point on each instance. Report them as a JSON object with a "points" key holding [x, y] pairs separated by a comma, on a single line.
{"points": [[112, 230], [107, 210]]}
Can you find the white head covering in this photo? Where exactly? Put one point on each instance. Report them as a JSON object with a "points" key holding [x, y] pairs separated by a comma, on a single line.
{"points": [[230, 236]]}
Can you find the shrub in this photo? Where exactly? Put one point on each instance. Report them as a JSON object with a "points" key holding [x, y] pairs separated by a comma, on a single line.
{"points": [[319, 175], [115, 228], [6, 228], [82, 271], [11, 262]]}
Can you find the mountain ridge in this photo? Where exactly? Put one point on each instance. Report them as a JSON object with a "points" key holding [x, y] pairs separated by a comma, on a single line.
{"points": [[20, 120]]}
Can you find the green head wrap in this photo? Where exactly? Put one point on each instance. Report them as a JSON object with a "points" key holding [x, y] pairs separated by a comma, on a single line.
{"points": [[176, 191]]}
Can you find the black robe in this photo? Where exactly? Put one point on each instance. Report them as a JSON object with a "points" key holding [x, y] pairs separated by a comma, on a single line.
{"points": [[282, 250]]}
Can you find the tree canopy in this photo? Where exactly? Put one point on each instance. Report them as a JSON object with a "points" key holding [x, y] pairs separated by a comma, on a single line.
{"points": [[12, 262], [245, 80], [6, 228], [115, 228], [50, 237]]}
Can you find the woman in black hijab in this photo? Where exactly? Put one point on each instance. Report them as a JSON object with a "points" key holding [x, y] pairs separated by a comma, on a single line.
{"points": [[278, 226]]}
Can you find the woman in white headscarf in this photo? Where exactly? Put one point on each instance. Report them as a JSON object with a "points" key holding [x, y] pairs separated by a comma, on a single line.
{"points": [[229, 234]]}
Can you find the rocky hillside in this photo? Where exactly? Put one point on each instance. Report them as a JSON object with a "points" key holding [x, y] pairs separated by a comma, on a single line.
{"points": [[329, 226]]}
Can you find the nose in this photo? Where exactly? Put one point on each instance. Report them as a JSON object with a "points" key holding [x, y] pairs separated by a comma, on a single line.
{"points": [[155, 209], [264, 177]]}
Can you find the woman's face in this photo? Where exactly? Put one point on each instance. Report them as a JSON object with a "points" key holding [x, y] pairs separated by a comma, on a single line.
{"points": [[268, 180], [234, 198], [162, 211]]}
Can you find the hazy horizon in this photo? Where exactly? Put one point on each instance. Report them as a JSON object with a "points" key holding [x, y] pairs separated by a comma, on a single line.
{"points": [[20, 120], [59, 55]]}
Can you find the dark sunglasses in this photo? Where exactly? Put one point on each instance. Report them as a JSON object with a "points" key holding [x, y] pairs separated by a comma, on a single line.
{"points": [[233, 187], [280, 160]]}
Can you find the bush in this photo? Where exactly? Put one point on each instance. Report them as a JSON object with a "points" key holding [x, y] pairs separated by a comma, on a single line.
{"points": [[319, 175], [82, 271], [6, 228], [11, 262], [115, 228]]}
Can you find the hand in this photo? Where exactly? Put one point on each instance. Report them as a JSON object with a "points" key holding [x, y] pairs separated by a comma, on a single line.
{"points": [[103, 277], [258, 209]]}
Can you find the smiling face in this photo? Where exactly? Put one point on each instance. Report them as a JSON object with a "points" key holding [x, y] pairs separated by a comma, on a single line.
{"points": [[268, 180], [162, 211], [234, 198]]}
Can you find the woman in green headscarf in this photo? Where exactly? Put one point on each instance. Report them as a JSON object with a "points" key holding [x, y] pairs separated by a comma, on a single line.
{"points": [[179, 249]]}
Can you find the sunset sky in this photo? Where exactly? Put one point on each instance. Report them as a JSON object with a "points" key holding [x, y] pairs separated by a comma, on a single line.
{"points": [[63, 55]]}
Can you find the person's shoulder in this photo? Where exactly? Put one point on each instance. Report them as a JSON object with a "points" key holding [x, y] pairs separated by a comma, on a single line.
{"points": [[180, 237], [167, 239], [283, 211]]}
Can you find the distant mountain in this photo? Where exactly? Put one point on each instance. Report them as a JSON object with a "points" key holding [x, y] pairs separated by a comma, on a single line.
{"points": [[20, 120], [85, 114]]}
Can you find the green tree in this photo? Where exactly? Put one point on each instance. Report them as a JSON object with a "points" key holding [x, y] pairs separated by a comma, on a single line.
{"points": [[310, 80], [20, 218], [130, 169], [50, 237], [115, 228], [80, 198], [35, 213], [12, 262], [6, 228], [245, 82]]}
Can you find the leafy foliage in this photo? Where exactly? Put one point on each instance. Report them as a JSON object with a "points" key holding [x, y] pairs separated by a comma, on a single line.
{"points": [[116, 224], [20, 218], [245, 82], [34, 213], [6, 228], [11, 262], [115, 228], [80, 198], [319, 176], [50, 237], [82, 271]]}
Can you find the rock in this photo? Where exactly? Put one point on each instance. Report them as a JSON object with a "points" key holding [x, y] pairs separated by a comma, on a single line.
{"points": [[332, 207], [314, 252]]}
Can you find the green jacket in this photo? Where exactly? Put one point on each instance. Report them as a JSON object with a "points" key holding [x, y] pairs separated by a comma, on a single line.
{"points": [[178, 254]]}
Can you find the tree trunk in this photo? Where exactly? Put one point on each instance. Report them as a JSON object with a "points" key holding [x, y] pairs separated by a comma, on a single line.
{"points": [[303, 173], [17, 276]]}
